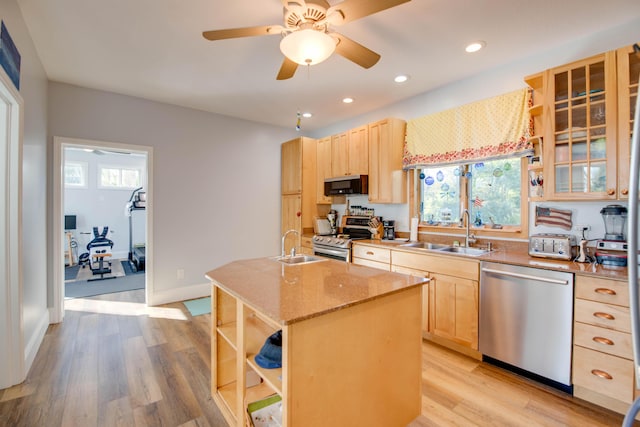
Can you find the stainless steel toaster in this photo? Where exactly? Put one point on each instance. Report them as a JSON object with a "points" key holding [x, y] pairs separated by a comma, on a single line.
{"points": [[547, 245]]}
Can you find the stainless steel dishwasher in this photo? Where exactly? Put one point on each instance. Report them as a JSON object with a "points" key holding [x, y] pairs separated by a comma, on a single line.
{"points": [[526, 320]]}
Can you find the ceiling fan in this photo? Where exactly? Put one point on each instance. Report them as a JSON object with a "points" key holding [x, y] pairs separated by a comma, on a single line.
{"points": [[311, 20]]}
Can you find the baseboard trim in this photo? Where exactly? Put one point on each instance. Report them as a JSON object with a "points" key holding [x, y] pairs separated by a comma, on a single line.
{"points": [[33, 345], [179, 294]]}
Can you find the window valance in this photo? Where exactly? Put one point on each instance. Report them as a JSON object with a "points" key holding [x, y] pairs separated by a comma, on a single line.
{"points": [[492, 128]]}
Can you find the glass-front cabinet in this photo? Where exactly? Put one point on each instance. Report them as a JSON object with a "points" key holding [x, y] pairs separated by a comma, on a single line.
{"points": [[628, 74], [582, 154]]}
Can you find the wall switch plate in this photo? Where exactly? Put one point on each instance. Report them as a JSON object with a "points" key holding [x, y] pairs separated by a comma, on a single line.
{"points": [[582, 227]]}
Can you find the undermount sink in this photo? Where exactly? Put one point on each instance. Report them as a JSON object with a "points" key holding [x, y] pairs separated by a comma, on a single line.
{"points": [[463, 250], [425, 245], [299, 259]]}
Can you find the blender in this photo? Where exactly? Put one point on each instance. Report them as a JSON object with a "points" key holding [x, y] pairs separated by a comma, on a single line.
{"points": [[612, 250]]}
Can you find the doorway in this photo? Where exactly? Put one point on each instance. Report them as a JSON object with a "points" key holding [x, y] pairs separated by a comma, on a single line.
{"points": [[92, 201]]}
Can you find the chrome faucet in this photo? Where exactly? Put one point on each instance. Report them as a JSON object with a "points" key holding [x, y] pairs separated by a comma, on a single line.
{"points": [[284, 236], [468, 238]]}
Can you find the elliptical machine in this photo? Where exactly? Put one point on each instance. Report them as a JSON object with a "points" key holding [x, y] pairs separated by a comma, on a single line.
{"points": [[99, 256]]}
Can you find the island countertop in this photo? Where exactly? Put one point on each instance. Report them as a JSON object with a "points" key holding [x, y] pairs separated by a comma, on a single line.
{"points": [[291, 293]]}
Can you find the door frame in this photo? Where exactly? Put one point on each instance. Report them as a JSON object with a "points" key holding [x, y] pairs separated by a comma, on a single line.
{"points": [[12, 369], [59, 144]]}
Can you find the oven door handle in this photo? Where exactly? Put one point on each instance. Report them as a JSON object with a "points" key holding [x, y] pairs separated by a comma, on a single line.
{"points": [[335, 252]]}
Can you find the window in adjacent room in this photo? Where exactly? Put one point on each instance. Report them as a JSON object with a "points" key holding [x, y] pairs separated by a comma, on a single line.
{"points": [[75, 174], [118, 177], [490, 190]]}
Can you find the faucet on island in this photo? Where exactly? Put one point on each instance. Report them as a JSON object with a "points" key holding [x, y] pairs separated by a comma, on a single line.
{"points": [[468, 238], [284, 236]]}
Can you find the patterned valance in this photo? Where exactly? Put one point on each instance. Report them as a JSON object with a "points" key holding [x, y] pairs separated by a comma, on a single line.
{"points": [[493, 128]]}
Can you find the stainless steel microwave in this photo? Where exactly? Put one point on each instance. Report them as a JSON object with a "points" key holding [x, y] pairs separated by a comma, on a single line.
{"points": [[352, 184]]}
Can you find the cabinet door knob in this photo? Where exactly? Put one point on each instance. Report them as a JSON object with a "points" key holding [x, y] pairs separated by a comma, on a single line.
{"points": [[611, 191], [601, 374], [602, 315], [605, 291], [298, 213], [624, 191], [602, 340]]}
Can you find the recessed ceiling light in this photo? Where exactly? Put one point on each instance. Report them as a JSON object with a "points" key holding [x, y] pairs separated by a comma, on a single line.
{"points": [[401, 78], [347, 100], [307, 115], [475, 46]]}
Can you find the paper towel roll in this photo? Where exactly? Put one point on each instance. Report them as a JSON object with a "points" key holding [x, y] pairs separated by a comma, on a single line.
{"points": [[413, 233]]}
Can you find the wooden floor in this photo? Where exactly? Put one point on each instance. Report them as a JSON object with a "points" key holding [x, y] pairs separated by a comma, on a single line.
{"points": [[115, 362]]}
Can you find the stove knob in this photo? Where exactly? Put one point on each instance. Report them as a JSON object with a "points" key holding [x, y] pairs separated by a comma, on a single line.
{"points": [[340, 241]]}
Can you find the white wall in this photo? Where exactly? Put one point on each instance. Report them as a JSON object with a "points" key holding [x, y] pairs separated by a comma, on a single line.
{"points": [[98, 207], [33, 89], [216, 179], [495, 82]]}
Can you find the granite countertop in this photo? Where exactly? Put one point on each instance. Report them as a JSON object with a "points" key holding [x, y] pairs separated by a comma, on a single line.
{"points": [[291, 293], [517, 257]]}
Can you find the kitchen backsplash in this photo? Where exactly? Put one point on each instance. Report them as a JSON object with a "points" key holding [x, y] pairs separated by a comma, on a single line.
{"points": [[584, 213]]}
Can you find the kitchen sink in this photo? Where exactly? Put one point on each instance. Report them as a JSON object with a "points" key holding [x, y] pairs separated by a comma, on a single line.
{"points": [[425, 245], [463, 250], [299, 259]]}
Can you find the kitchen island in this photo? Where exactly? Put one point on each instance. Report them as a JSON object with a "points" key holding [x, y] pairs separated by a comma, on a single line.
{"points": [[351, 342]]}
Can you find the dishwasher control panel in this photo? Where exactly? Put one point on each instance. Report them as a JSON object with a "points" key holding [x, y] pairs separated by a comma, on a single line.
{"points": [[547, 245]]}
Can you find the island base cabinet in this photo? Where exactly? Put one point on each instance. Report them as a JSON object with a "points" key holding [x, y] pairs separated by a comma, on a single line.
{"points": [[356, 367]]}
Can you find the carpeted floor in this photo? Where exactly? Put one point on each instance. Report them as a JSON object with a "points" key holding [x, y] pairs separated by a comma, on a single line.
{"points": [[123, 279]]}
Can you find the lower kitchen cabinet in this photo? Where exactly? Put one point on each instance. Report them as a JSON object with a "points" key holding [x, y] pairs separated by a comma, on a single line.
{"points": [[306, 245], [452, 301], [602, 350], [371, 256], [425, 292], [454, 308]]}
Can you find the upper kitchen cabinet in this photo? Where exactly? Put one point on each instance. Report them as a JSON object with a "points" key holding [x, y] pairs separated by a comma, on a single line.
{"points": [[387, 180], [323, 169], [580, 150], [628, 74], [350, 152]]}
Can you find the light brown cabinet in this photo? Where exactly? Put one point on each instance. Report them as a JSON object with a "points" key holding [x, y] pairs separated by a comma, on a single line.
{"points": [[298, 163], [323, 166], [451, 315], [587, 124], [580, 139], [628, 74], [602, 351], [371, 256], [387, 180], [350, 153]]}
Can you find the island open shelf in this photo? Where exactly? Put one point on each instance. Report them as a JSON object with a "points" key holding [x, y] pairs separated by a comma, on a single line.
{"points": [[351, 342]]}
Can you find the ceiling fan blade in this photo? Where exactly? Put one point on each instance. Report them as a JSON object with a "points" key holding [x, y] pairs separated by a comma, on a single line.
{"points": [[355, 52], [350, 10], [233, 33], [287, 70]]}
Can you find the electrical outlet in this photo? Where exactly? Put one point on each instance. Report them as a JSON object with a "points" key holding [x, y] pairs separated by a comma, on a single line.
{"points": [[582, 227]]}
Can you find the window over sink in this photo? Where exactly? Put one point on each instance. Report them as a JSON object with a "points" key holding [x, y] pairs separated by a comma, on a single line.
{"points": [[491, 191]]}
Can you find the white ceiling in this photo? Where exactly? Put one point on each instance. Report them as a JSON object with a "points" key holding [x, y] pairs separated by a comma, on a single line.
{"points": [[154, 49]]}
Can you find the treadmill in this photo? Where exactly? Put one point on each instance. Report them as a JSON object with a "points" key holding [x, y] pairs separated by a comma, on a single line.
{"points": [[137, 202]]}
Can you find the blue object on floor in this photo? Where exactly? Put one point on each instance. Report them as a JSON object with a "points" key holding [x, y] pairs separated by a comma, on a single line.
{"points": [[198, 306]]}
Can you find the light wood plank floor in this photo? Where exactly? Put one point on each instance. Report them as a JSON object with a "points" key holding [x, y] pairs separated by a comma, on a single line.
{"points": [[114, 362]]}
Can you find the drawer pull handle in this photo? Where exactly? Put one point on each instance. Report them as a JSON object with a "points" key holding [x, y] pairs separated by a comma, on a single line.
{"points": [[602, 315], [601, 374], [605, 291], [369, 253], [602, 340]]}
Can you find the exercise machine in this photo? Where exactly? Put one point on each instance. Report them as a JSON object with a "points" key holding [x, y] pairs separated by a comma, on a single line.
{"points": [[137, 253], [99, 256]]}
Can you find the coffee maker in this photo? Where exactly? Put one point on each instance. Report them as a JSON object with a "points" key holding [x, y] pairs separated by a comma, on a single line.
{"points": [[612, 250], [389, 229]]}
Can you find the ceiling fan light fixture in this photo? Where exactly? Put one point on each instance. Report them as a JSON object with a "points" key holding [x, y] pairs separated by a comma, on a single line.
{"points": [[308, 47]]}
